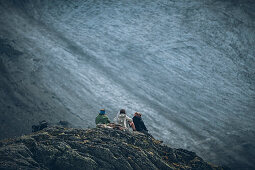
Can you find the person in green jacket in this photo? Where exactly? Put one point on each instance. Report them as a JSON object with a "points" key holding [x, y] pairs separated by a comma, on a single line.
{"points": [[102, 118]]}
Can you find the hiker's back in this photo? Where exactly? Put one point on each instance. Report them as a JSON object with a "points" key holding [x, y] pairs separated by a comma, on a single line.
{"points": [[102, 118], [121, 120], [139, 124]]}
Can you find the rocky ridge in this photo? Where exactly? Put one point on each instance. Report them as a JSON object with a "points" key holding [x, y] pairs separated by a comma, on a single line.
{"points": [[99, 148]]}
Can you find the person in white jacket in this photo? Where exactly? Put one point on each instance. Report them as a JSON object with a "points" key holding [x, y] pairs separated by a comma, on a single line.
{"points": [[123, 120]]}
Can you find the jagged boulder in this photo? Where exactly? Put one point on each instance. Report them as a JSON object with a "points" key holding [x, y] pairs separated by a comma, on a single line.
{"points": [[42, 124], [98, 148]]}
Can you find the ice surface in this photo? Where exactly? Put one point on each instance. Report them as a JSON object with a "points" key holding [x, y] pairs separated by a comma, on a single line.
{"points": [[188, 66]]}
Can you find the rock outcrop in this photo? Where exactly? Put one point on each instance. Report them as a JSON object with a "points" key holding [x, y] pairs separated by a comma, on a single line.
{"points": [[98, 148]]}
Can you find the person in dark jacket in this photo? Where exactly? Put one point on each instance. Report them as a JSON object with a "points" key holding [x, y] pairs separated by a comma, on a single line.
{"points": [[139, 125]]}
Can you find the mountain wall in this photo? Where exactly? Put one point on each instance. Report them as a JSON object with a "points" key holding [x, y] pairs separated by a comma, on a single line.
{"points": [[186, 65]]}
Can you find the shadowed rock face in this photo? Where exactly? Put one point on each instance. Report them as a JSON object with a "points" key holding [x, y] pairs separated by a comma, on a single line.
{"points": [[99, 148], [187, 65]]}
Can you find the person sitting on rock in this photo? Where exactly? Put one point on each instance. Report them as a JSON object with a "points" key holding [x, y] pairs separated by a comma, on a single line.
{"points": [[139, 124], [123, 120], [102, 118]]}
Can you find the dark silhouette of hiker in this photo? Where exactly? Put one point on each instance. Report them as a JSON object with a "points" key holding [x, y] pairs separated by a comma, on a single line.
{"points": [[139, 124]]}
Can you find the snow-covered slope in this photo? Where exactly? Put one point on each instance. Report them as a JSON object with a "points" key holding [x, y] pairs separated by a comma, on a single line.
{"points": [[187, 65]]}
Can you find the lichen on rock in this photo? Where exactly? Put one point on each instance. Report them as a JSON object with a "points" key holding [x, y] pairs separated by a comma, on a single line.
{"points": [[98, 148]]}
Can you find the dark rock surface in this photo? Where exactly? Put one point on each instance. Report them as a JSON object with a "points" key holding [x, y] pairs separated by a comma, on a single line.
{"points": [[42, 125], [98, 148]]}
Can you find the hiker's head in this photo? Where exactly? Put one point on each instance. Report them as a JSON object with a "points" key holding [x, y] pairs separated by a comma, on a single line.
{"points": [[122, 111], [138, 114], [102, 112]]}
